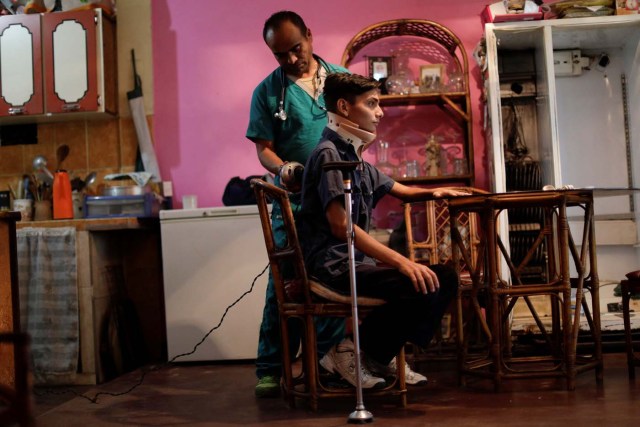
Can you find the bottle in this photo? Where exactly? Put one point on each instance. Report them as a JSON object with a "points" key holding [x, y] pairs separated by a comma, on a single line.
{"points": [[62, 199]]}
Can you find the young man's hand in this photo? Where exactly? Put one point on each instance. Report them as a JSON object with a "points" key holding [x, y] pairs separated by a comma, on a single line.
{"points": [[449, 191], [423, 278]]}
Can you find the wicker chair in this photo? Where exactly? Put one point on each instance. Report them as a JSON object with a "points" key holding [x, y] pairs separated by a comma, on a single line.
{"points": [[302, 299], [428, 241], [630, 286]]}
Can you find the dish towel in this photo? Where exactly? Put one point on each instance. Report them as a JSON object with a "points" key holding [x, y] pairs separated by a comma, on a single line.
{"points": [[47, 272]]}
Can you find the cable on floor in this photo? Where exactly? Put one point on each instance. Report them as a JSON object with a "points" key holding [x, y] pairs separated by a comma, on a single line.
{"points": [[94, 399]]}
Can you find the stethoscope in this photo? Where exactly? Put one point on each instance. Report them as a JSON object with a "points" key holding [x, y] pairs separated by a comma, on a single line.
{"points": [[281, 113]]}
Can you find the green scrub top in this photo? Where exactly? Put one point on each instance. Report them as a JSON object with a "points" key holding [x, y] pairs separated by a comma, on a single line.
{"points": [[296, 137]]}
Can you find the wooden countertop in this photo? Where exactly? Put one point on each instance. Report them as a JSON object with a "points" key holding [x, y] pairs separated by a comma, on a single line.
{"points": [[95, 224]]}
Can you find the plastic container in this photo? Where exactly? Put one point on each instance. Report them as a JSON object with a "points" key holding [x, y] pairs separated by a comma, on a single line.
{"points": [[146, 205]]}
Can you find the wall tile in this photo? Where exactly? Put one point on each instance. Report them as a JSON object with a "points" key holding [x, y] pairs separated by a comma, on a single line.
{"points": [[105, 146], [102, 144], [46, 147], [11, 160], [74, 134], [128, 143]]}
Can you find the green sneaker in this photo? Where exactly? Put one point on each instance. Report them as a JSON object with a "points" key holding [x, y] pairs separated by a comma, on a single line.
{"points": [[268, 386]]}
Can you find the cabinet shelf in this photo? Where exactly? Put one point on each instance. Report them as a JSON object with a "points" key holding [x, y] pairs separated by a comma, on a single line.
{"points": [[421, 98]]}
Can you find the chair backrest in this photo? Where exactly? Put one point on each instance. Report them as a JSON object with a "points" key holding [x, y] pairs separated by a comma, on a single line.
{"points": [[428, 231], [286, 260], [292, 284]]}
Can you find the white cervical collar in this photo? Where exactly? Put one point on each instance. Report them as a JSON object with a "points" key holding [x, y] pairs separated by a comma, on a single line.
{"points": [[350, 132]]}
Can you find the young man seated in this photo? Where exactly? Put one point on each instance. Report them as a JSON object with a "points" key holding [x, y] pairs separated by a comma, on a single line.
{"points": [[417, 296]]}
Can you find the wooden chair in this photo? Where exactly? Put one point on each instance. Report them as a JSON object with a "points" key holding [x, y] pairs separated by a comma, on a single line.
{"points": [[302, 299], [428, 241], [630, 286], [15, 388], [16, 397]]}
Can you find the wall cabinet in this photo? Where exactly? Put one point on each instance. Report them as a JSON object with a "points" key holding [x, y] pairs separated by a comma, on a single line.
{"points": [[570, 107], [57, 66]]}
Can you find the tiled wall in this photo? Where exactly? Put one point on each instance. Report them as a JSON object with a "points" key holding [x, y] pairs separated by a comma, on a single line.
{"points": [[102, 145]]}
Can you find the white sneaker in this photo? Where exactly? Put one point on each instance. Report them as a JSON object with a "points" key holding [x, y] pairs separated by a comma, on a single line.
{"points": [[341, 359], [410, 377]]}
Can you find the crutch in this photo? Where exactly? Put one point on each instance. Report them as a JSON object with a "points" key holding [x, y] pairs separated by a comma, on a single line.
{"points": [[360, 415]]}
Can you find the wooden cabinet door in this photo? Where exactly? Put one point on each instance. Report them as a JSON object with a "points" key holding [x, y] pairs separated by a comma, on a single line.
{"points": [[70, 58], [20, 66]]}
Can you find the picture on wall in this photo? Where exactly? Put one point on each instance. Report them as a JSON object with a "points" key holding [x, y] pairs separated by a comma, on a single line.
{"points": [[380, 67], [431, 76]]}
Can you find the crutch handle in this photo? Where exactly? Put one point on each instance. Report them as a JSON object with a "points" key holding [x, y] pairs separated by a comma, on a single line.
{"points": [[342, 166]]}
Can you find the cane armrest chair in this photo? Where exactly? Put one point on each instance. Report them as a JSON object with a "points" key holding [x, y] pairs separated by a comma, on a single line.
{"points": [[428, 241], [301, 299], [630, 286]]}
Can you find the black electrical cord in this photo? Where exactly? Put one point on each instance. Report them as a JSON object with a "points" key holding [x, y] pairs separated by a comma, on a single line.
{"points": [[94, 399]]}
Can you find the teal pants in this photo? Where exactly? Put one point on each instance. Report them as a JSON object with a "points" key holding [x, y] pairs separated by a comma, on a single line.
{"points": [[330, 331]]}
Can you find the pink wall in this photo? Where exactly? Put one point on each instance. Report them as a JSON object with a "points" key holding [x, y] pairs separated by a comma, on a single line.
{"points": [[209, 55]]}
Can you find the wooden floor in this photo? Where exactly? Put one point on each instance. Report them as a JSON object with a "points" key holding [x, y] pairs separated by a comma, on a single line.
{"points": [[222, 395]]}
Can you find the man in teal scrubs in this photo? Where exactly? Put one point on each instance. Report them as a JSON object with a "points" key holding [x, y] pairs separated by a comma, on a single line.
{"points": [[286, 120]]}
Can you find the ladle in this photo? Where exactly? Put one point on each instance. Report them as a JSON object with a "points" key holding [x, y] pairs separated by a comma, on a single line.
{"points": [[40, 164], [90, 179]]}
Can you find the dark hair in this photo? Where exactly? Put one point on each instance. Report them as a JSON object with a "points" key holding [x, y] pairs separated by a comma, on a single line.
{"points": [[278, 18], [347, 86]]}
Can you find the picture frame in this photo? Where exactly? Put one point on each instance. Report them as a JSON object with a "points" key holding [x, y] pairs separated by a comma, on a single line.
{"points": [[380, 67], [431, 76]]}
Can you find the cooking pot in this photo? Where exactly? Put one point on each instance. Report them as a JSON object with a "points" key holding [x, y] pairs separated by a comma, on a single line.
{"points": [[124, 190]]}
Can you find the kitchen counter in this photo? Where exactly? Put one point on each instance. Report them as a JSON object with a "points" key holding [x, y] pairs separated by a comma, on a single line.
{"points": [[95, 224], [119, 264]]}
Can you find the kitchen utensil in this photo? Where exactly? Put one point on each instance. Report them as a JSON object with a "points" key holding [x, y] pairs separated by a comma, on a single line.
{"points": [[42, 210], [40, 164], [124, 190], [62, 201], [61, 154], [25, 207], [90, 179]]}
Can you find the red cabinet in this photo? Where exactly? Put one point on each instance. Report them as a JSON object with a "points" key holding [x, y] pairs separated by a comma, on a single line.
{"points": [[57, 66]]}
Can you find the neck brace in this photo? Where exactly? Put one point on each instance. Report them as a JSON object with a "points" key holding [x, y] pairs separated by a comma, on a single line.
{"points": [[350, 132]]}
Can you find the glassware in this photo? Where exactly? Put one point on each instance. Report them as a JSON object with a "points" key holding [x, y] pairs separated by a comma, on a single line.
{"points": [[402, 79], [448, 156], [412, 169], [401, 155], [455, 83], [382, 159], [460, 167]]}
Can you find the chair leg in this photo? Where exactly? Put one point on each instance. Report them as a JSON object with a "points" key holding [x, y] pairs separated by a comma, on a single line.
{"points": [[287, 370], [312, 377], [402, 384], [626, 296]]}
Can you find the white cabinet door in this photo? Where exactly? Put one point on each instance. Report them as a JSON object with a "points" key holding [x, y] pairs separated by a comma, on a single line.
{"points": [[20, 66]]}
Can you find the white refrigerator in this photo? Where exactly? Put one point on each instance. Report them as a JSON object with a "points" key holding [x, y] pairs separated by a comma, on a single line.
{"points": [[210, 258]]}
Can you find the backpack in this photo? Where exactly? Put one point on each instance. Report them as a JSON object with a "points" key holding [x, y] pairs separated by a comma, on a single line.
{"points": [[238, 190]]}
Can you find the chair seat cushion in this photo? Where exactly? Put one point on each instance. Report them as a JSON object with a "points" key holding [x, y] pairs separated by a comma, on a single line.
{"points": [[330, 295]]}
